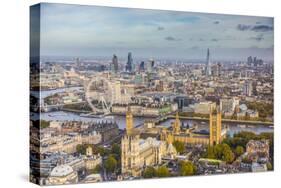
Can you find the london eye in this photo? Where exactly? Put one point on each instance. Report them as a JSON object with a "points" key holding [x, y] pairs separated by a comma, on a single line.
{"points": [[99, 95]]}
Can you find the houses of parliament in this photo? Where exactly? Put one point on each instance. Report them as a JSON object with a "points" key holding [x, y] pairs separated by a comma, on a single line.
{"points": [[138, 152], [190, 136]]}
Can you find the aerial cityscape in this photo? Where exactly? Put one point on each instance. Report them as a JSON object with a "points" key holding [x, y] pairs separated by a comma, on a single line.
{"points": [[128, 94]]}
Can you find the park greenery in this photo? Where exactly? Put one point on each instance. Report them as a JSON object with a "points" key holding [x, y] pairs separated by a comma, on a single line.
{"points": [[96, 170], [49, 99], [82, 107], [110, 164], [242, 138], [221, 152], [187, 168], [151, 172], [239, 150], [233, 147], [112, 156], [162, 171], [179, 146], [116, 150], [265, 109], [81, 148], [44, 124]]}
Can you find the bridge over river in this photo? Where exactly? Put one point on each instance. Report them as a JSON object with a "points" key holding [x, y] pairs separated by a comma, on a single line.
{"points": [[251, 122]]}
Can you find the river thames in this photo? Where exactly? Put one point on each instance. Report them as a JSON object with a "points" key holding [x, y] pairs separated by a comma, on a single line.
{"points": [[121, 121]]}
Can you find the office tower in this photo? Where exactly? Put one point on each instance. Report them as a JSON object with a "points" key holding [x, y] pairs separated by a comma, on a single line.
{"points": [[129, 65], [77, 62], [114, 66], [219, 69], [249, 60], [141, 68], [208, 70], [150, 65]]}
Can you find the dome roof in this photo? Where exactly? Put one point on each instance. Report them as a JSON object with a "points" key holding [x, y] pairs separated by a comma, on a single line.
{"points": [[61, 170]]}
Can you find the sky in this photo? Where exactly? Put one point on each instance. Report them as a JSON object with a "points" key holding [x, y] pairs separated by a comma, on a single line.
{"points": [[77, 30]]}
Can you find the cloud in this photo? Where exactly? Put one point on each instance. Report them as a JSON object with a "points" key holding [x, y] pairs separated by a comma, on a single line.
{"points": [[170, 38], [258, 38], [262, 28], [256, 28], [242, 27], [101, 31]]}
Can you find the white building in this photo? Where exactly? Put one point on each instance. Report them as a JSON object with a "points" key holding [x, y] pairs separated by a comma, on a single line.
{"points": [[204, 107], [229, 104], [62, 174]]}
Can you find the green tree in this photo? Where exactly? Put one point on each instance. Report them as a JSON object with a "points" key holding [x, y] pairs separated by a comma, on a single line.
{"points": [[44, 124], [179, 146], [221, 152], [228, 156], [210, 153], [247, 160], [239, 150], [101, 150], [149, 172], [81, 148], [110, 164], [96, 170], [186, 168], [269, 166], [263, 108], [116, 150], [242, 138], [218, 150], [163, 172]]}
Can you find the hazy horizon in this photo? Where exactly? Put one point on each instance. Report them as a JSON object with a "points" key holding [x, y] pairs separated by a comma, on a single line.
{"points": [[88, 31]]}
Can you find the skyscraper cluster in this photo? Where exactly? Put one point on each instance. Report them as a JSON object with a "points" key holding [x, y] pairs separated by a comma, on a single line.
{"points": [[129, 65], [141, 67], [254, 61], [114, 64], [208, 71]]}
